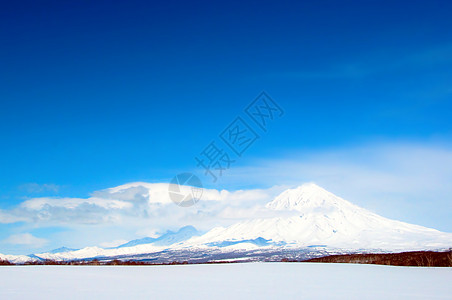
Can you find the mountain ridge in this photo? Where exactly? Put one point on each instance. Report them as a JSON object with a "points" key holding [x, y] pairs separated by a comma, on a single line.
{"points": [[319, 219]]}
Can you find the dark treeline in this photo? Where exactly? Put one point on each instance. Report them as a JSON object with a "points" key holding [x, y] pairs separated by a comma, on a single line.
{"points": [[417, 259]]}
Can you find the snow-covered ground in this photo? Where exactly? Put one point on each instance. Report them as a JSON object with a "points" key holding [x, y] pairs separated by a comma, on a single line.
{"points": [[226, 281]]}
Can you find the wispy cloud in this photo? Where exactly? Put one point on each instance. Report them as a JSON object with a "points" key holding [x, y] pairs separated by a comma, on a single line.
{"points": [[374, 63], [35, 188], [25, 239]]}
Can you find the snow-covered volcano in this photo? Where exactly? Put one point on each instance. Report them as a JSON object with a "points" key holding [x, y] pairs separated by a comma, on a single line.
{"points": [[318, 217]]}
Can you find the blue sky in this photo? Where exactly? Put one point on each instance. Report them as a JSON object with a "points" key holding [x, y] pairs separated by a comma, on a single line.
{"points": [[95, 95]]}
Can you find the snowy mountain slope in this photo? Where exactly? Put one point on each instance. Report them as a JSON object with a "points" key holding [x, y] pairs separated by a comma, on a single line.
{"points": [[94, 252], [145, 245], [62, 249], [166, 239], [320, 217], [17, 259]]}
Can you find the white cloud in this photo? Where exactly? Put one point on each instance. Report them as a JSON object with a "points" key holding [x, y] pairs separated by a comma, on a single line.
{"points": [[142, 205], [74, 203], [25, 239], [6, 217]]}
